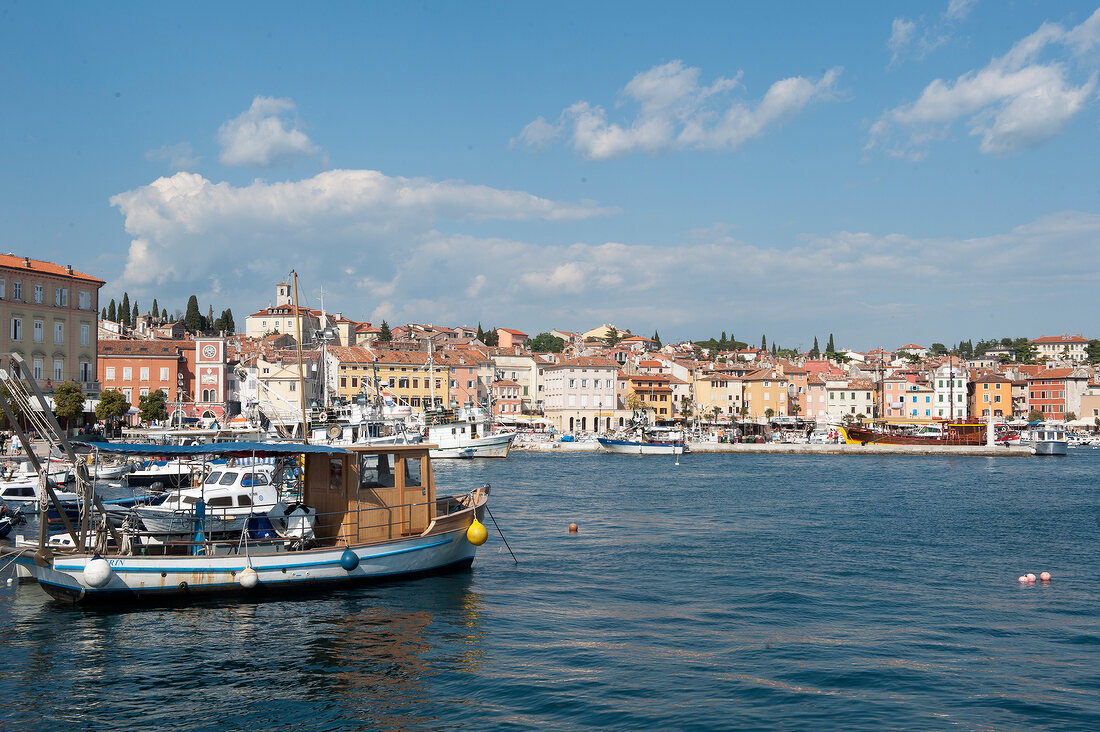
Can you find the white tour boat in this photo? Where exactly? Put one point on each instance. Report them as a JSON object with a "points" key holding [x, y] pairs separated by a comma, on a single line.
{"points": [[1049, 438], [467, 434]]}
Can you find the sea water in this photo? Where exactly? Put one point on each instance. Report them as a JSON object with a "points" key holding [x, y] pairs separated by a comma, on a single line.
{"points": [[723, 592]]}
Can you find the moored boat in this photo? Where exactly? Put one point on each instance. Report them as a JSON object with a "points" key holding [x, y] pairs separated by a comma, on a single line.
{"points": [[374, 514], [1049, 438], [647, 440], [940, 433]]}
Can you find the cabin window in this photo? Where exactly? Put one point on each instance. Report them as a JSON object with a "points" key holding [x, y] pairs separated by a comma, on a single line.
{"points": [[212, 479], [221, 502], [253, 479], [244, 501], [228, 478], [336, 474], [412, 471], [375, 471]]}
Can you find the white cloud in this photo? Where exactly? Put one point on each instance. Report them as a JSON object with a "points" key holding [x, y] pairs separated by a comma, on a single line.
{"points": [[959, 9], [263, 135], [675, 113], [901, 35], [348, 225], [179, 156], [1016, 102]]}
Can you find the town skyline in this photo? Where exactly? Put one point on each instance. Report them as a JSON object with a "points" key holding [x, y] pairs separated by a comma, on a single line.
{"points": [[883, 173]]}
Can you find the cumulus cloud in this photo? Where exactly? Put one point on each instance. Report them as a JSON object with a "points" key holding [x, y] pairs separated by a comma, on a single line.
{"points": [[676, 112], [264, 135], [1019, 100], [179, 156], [345, 224]]}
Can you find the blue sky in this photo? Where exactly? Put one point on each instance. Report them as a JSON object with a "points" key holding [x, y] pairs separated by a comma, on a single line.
{"points": [[887, 172]]}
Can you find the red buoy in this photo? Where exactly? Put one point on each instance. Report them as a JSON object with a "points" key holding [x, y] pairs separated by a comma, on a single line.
{"points": [[572, 528]]}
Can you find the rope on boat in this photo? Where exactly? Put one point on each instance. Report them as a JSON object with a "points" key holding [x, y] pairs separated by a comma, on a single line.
{"points": [[494, 518]]}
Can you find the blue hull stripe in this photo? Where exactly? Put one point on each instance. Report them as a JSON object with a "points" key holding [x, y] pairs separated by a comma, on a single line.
{"points": [[124, 568]]}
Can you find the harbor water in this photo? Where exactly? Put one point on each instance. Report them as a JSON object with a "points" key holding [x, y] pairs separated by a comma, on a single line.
{"points": [[738, 591]]}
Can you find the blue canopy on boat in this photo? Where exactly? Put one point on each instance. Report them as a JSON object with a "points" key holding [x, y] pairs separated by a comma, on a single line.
{"points": [[228, 449]]}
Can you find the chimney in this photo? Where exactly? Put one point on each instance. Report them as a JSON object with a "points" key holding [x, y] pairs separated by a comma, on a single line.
{"points": [[27, 262], [69, 268]]}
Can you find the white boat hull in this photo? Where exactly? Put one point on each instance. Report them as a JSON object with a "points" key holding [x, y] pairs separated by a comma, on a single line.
{"points": [[493, 446], [167, 576], [1050, 447]]}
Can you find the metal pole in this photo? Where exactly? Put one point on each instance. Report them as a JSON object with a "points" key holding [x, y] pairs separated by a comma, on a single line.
{"points": [[301, 376]]}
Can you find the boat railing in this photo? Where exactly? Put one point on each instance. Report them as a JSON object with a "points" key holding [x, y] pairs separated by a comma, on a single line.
{"points": [[191, 534]]}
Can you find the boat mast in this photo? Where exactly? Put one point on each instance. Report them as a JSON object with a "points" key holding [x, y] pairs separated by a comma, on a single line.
{"points": [[301, 378]]}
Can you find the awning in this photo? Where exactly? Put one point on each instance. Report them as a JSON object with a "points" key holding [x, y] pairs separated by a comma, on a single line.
{"points": [[227, 449]]}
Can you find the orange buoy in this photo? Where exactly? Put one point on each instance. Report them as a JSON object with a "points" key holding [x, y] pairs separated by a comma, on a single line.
{"points": [[1023, 579], [1030, 577], [1045, 576], [572, 528]]}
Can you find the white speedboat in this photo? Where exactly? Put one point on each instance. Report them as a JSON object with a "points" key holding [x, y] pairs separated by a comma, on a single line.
{"points": [[375, 517], [1049, 438], [222, 505], [175, 473], [25, 491]]}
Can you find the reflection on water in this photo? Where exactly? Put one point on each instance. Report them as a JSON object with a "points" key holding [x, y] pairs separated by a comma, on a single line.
{"points": [[358, 658]]}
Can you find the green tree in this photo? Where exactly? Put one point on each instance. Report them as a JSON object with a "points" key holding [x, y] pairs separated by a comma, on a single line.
{"points": [[1093, 350], [723, 342], [164, 315], [938, 349], [134, 316], [192, 319], [656, 339], [481, 334], [103, 315], [68, 401], [763, 343], [1025, 350], [1070, 416], [112, 314], [492, 338], [1035, 416], [384, 334], [112, 405], [156, 310], [153, 406], [612, 336], [815, 351], [124, 310], [769, 413], [830, 349], [546, 343]]}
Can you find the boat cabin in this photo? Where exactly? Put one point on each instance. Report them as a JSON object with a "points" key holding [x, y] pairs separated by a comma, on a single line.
{"points": [[371, 493]]}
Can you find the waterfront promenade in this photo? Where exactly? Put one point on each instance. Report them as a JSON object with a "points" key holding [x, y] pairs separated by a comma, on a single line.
{"points": [[798, 449]]}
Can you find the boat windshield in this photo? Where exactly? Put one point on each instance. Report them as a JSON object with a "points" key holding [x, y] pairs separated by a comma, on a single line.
{"points": [[229, 478], [212, 479]]}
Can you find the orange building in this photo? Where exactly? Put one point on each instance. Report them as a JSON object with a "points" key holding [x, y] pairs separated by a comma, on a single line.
{"points": [[991, 395]]}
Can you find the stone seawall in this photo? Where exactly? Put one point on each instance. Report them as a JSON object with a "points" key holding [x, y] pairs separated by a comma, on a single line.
{"points": [[799, 449]]}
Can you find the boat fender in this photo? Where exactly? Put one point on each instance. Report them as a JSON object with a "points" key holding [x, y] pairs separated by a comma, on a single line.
{"points": [[477, 534], [249, 578], [349, 560], [97, 573]]}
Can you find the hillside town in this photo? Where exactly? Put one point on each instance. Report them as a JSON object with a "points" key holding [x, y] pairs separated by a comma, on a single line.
{"points": [[573, 381]]}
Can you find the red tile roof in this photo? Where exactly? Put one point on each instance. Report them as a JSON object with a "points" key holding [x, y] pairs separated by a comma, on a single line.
{"points": [[1059, 339], [38, 265]]}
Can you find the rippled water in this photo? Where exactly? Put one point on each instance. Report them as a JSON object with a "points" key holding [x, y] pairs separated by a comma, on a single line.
{"points": [[729, 591]]}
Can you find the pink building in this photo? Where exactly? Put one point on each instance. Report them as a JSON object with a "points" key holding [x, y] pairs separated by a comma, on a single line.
{"points": [[507, 338], [506, 398]]}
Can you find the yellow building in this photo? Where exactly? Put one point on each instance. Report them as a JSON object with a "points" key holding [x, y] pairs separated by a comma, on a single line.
{"points": [[405, 376], [765, 389], [652, 392], [719, 392]]}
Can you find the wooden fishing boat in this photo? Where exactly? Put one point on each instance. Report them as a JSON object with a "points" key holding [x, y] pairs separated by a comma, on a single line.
{"points": [[371, 513], [942, 433]]}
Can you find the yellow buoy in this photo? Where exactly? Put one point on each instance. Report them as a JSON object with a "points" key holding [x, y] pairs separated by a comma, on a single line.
{"points": [[477, 534]]}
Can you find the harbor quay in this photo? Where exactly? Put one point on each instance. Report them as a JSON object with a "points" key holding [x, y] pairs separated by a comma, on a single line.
{"points": [[780, 448]]}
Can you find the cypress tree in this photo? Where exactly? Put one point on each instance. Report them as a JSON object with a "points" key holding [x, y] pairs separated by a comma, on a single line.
{"points": [[111, 314], [384, 334], [164, 316], [133, 320], [230, 326], [657, 339], [103, 316], [815, 351], [192, 319], [156, 310], [763, 343], [481, 334], [124, 310], [830, 348]]}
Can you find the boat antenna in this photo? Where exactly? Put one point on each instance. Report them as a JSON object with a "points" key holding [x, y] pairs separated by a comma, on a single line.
{"points": [[301, 377]]}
